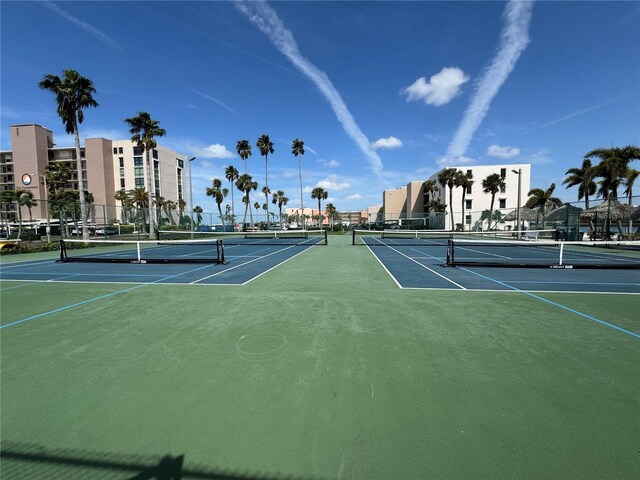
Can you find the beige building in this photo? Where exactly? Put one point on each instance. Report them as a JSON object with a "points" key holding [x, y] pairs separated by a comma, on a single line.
{"points": [[108, 166], [409, 203]]}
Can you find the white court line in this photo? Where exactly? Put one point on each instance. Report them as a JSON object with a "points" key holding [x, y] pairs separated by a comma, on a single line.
{"points": [[245, 263], [423, 266], [385, 268]]}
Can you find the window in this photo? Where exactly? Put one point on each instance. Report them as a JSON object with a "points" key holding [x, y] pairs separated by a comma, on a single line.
{"points": [[138, 171], [467, 219], [155, 153], [503, 172], [84, 164], [120, 150], [122, 172], [180, 163], [139, 182], [137, 161], [467, 204], [469, 173], [122, 183], [115, 150], [503, 188], [469, 190], [137, 151], [121, 162], [503, 203]]}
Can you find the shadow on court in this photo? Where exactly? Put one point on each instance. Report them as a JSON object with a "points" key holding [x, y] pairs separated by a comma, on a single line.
{"points": [[31, 461]]}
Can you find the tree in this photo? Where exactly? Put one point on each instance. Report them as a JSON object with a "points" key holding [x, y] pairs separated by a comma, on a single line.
{"points": [[232, 174], [143, 130], [331, 212], [542, 199], [297, 149], [447, 178], [613, 167], [245, 184], [25, 199], [243, 147], [182, 205], [122, 197], [464, 181], [320, 194], [198, 211], [266, 147], [632, 175], [140, 198], [583, 178], [57, 176], [280, 199], [218, 193], [492, 184], [256, 205], [73, 93]]}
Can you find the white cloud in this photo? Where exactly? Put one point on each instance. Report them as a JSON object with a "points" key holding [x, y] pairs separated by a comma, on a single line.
{"points": [[503, 152], [266, 19], [355, 196], [332, 183], [389, 142], [329, 163], [449, 161], [441, 89], [514, 38], [215, 151], [216, 101]]}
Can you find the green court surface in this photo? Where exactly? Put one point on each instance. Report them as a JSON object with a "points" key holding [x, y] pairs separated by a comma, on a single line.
{"points": [[320, 368]]}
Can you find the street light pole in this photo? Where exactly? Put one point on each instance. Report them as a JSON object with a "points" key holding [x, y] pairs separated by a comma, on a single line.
{"points": [[189, 160], [519, 173]]}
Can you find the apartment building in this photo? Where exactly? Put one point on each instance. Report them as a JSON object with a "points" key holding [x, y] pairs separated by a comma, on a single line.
{"points": [[410, 202], [107, 166]]}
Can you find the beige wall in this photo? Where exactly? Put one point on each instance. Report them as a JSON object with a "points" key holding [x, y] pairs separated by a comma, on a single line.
{"points": [[394, 203], [414, 198]]}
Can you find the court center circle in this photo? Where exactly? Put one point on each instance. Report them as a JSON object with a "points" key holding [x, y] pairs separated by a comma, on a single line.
{"points": [[261, 346]]}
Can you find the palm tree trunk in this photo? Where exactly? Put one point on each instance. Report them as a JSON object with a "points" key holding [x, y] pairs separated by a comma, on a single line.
{"points": [[266, 195], [19, 208], [83, 205], [464, 194], [224, 229], [301, 198], [451, 206], [151, 188], [493, 199]]}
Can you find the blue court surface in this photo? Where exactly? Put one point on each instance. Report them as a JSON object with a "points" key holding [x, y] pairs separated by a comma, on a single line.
{"points": [[423, 267], [244, 264]]}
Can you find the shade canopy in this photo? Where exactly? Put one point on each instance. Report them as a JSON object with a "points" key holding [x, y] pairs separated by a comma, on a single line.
{"points": [[612, 209], [561, 214], [526, 215]]}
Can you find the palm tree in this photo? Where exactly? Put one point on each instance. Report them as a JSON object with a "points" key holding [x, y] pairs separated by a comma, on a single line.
{"points": [[122, 197], [320, 194], [256, 205], [232, 174], [583, 178], [464, 181], [73, 93], [280, 199], [198, 211], [143, 130], [542, 199], [140, 198], [218, 193], [613, 166], [266, 147], [331, 212], [26, 200], [57, 176], [182, 205], [492, 184], [632, 175], [169, 206], [297, 149], [447, 178], [243, 147], [245, 184]]}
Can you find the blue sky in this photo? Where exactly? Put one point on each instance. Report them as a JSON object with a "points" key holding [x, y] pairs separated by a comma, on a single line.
{"points": [[382, 93]]}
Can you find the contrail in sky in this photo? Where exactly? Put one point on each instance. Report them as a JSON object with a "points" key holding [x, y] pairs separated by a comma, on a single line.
{"points": [[85, 26], [266, 19], [513, 40]]}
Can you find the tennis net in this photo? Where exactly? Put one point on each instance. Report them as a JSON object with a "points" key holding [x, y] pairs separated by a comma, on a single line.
{"points": [[544, 254], [142, 251], [260, 237], [426, 238]]}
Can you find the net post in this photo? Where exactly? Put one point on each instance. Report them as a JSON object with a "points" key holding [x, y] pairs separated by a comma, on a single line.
{"points": [[63, 251], [326, 238], [561, 251], [353, 236], [138, 251], [450, 258], [220, 249]]}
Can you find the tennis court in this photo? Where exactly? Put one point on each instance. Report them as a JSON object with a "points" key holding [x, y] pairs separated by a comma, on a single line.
{"points": [[321, 367]]}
